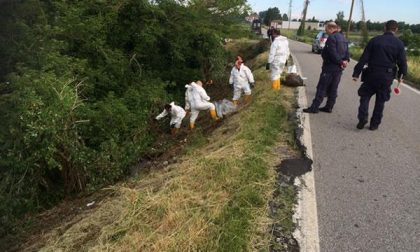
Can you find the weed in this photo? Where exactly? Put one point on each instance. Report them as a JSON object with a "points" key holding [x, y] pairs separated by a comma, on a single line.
{"points": [[214, 199]]}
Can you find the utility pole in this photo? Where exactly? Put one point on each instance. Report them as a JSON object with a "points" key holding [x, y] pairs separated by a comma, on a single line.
{"points": [[365, 35], [349, 23], [301, 30], [290, 13]]}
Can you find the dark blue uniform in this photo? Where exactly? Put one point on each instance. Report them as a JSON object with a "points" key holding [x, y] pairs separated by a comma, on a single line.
{"points": [[382, 54], [334, 53]]}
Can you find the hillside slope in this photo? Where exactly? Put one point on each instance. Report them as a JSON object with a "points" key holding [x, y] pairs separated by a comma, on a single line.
{"points": [[213, 196]]}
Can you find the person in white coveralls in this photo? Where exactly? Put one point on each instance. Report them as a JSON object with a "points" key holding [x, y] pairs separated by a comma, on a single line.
{"points": [[177, 115], [196, 100], [242, 80], [279, 53]]}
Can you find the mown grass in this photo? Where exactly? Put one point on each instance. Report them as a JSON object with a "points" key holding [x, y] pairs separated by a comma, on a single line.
{"points": [[266, 120], [214, 199]]}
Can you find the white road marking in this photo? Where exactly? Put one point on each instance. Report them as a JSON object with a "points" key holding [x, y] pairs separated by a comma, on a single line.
{"points": [[411, 88]]}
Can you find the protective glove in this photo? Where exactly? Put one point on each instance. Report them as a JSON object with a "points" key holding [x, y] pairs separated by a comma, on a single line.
{"points": [[252, 84], [267, 66]]}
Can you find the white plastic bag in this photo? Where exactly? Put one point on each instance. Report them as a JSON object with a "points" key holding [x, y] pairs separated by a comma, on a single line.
{"points": [[224, 107], [292, 69]]}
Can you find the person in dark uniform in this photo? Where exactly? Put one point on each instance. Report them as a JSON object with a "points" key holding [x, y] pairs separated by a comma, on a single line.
{"points": [[270, 33], [382, 54], [335, 56]]}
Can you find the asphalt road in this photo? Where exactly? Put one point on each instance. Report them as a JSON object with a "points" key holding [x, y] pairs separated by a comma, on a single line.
{"points": [[367, 182]]}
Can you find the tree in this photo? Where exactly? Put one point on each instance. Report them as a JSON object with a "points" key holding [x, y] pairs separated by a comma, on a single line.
{"points": [[313, 19], [406, 37], [262, 14], [272, 14], [415, 28], [285, 17], [340, 19]]}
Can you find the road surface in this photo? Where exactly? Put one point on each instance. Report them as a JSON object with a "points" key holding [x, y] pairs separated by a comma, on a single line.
{"points": [[367, 182], [264, 33]]}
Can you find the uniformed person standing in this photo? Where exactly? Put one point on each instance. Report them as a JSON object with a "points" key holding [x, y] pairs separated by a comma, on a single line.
{"points": [[382, 54], [335, 56]]}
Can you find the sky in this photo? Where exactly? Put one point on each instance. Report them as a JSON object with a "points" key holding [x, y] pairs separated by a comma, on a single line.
{"points": [[407, 11]]}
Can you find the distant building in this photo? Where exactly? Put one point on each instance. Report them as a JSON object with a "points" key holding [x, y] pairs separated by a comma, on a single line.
{"points": [[252, 17], [294, 25], [276, 24]]}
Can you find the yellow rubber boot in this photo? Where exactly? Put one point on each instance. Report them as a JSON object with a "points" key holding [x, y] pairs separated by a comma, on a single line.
{"points": [[173, 131], [192, 126], [213, 114], [276, 84], [247, 98]]}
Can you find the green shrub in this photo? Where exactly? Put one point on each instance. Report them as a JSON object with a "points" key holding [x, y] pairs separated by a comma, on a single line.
{"points": [[80, 82]]}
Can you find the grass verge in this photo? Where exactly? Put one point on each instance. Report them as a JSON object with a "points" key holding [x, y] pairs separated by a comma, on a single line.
{"points": [[213, 199]]}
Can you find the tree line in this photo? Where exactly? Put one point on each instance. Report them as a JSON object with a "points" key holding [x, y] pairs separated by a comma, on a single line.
{"points": [[79, 81], [272, 14]]}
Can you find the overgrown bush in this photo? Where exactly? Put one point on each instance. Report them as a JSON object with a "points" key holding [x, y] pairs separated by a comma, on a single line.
{"points": [[80, 80]]}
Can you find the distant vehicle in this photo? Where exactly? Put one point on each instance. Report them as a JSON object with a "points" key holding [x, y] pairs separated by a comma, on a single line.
{"points": [[256, 26], [319, 42]]}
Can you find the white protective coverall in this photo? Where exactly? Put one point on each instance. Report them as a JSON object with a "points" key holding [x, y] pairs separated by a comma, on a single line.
{"points": [[177, 115], [279, 53], [240, 79], [196, 99]]}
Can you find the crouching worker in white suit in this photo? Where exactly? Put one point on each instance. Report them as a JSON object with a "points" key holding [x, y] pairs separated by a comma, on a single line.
{"points": [[196, 99], [279, 53], [242, 80], [177, 115]]}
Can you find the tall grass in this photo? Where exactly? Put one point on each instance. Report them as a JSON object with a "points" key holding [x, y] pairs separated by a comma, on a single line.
{"points": [[355, 52], [414, 70], [214, 199]]}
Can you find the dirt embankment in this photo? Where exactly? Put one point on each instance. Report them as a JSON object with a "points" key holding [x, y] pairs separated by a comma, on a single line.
{"points": [[36, 230]]}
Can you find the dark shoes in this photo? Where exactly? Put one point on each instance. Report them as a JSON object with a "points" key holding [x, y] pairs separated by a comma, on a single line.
{"points": [[361, 124], [310, 110], [314, 111], [326, 109]]}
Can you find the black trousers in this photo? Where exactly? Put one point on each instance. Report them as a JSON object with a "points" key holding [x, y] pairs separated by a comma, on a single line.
{"points": [[327, 87], [378, 84]]}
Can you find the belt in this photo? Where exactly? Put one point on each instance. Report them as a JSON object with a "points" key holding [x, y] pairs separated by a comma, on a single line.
{"points": [[381, 69]]}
